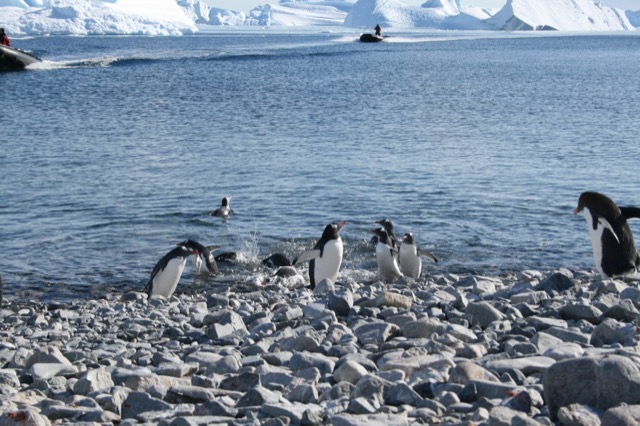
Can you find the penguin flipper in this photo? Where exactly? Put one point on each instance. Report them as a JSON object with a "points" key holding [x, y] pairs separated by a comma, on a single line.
{"points": [[427, 254], [307, 255], [604, 222], [630, 212]]}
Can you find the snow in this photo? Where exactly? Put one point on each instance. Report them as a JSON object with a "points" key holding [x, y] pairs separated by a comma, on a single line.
{"points": [[174, 17], [150, 17]]}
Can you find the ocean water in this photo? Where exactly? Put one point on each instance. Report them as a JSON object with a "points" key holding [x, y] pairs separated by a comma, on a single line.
{"points": [[116, 148]]}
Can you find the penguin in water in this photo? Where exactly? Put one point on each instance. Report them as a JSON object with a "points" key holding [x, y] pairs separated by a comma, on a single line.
{"points": [[167, 272], [224, 211], [386, 256], [326, 256], [409, 257], [614, 251], [204, 254]]}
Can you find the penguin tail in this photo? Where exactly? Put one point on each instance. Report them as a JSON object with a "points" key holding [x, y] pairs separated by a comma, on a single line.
{"points": [[147, 288]]}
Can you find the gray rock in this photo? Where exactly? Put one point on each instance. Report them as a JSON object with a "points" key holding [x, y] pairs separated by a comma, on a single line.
{"points": [[350, 371], [369, 420], [601, 383], [226, 324], [47, 355], [341, 302], [258, 396], [557, 282], [188, 394], [581, 312], [45, 371], [465, 371], [505, 416], [140, 402], [304, 393], [362, 406], [400, 394], [611, 331], [483, 314], [303, 360], [376, 332], [93, 381], [28, 417], [324, 286], [624, 311], [624, 415], [579, 415], [388, 298]]}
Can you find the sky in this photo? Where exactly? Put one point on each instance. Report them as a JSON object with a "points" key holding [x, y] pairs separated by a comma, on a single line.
{"points": [[247, 5]]}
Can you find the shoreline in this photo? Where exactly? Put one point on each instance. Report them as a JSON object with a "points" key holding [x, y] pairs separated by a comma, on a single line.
{"points": [[447, 349]]}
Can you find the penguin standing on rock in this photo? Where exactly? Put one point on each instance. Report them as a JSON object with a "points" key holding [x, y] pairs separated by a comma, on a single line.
{"points": [[224, 211], [614, 251], [409, 257], [386, 256], [167, 272], [204, 253], [326, 256]]}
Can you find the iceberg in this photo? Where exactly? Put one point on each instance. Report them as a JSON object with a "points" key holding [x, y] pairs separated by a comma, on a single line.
{"points": [[149, 17], [300, 13], [174, 17], [560, 15], [434, 14]]}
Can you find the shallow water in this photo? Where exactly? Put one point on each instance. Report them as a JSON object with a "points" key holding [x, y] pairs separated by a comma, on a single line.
{"points": [[117, 148]]}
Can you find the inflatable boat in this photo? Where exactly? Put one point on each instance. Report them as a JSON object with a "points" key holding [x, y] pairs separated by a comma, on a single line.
{"points": [[370, 38], [15, 59]]}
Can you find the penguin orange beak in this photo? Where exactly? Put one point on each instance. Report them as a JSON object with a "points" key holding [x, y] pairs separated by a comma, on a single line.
{"points": [[577, 210], [341, 225]]}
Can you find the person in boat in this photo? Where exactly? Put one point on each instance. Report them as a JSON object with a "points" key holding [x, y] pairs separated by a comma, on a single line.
{"points": [[378, 30], [4, 40]]}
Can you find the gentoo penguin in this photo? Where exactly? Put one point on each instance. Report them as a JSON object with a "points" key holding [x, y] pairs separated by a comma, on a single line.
{"points": [[386, 256], [167, 272], [388, 226], [614, 251], [224, 210], [276, 260], [204, 253], [409, 257], [326, 256]]}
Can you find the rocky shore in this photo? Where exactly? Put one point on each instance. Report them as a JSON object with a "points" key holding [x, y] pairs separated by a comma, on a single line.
{"points": [[527, 348]]}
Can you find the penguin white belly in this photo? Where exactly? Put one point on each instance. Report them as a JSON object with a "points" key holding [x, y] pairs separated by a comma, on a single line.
{"points": [[166, 281], [387, 263], [410, 262], [596, 240], [328, 265]]}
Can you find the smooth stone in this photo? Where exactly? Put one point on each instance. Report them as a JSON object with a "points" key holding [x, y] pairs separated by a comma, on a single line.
{"points": [[599, 382], [483, 314], [49, 370], [578, 414], [624, 415]]}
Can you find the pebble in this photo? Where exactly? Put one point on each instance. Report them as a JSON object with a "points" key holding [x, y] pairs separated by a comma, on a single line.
{"points": [[447, 349]]}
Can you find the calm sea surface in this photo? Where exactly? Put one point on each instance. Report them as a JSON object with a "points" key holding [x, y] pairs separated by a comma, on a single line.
{"points": [[117, 148]]}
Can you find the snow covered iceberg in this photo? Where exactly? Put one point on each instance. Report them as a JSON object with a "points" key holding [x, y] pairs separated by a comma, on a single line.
{"points": [[433, 14], [151, 17], [290, 13], [561, 15]]}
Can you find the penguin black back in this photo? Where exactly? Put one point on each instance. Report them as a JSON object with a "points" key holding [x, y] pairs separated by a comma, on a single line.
{"points": [[615, 252]]}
